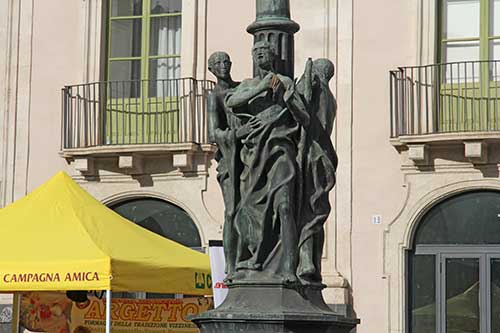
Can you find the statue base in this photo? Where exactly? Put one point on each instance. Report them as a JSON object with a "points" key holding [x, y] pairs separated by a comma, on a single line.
{"points": [[273, 308]]}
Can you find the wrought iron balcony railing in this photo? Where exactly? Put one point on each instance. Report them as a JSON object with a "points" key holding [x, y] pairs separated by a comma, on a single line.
{"points": [[134, 112], [445, 98]]}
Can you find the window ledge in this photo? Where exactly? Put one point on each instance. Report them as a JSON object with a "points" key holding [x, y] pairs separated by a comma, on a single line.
{"points": [[438, 138], [143, 149], [130, 159], [471, 147]]}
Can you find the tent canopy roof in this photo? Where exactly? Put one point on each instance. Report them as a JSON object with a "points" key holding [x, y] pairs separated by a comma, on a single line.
{"points": [[61, 238]]}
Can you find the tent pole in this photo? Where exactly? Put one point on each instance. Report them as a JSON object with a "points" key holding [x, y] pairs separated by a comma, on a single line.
{"points": [[108, 311], [16, 309]]}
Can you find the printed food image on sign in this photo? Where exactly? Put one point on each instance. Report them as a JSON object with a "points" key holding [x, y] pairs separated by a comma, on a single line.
{"points": [[45, 312], [54, 313]]}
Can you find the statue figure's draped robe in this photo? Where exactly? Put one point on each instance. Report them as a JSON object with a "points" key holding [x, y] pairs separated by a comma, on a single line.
{"points": [[268, 180], [289, 163], [318, 162]]}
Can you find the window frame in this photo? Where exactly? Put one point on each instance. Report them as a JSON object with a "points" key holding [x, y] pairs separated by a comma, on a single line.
{"points": [[483, 253], [486, 37], [441, 252], [144, 115], [145, 56]]}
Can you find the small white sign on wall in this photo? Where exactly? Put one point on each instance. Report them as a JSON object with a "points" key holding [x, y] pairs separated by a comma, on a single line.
{"points": [[217, 263], [376, 219]]}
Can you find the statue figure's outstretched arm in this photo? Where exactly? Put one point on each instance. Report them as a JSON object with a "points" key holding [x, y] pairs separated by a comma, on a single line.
{"points": [[246, 91]]}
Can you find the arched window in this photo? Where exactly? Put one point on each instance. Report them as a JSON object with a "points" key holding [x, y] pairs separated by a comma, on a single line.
{"points": [[454, 267], [164, 219]]}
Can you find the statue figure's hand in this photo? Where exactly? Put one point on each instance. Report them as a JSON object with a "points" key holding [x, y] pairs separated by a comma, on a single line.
{"points": [[268, 81], [246, 129], [288, 93], [224, 136], [275, 83]]}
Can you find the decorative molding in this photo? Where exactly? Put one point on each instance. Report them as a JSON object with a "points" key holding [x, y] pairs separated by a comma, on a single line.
{"points": [[398, 235], [94, 46], [344, 138], [206, 226], [426, 31], [476, 151], [83, 165], [183, 161], [6, 8], [134, 163], [467, 153], [191, 15], [152, 149], [16, 94], [445, 138], [418, 153]]}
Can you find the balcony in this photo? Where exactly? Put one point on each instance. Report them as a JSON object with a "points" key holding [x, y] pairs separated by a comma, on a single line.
{"points": [[450, 103], [129, 120]]}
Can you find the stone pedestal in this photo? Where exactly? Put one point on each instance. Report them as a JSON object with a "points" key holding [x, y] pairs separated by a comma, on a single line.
{"points": [[271, 308]]}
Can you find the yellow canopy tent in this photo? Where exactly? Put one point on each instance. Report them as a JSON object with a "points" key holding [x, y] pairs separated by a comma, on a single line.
{"points": [[60, 238]]}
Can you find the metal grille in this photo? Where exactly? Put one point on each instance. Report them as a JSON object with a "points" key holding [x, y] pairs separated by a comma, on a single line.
{"points": [[445, 98], [134, 112]]}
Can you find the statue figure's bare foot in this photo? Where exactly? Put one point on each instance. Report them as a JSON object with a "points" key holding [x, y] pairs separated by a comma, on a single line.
{"points": [[289, 278], [250, 265], [306, 270], [229, 277], [235, 276]]}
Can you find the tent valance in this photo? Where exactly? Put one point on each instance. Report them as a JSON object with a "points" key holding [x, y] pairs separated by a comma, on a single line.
{"points": [[61, 238]]}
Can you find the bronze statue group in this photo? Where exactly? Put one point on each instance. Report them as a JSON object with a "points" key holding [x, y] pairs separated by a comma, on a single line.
{"points": [[276, 167]]}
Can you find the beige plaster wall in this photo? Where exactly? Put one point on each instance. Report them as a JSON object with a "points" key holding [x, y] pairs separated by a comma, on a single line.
{"points": [[365, 39], [57, 60], [384, 38], [226, 31], [44, 52]]}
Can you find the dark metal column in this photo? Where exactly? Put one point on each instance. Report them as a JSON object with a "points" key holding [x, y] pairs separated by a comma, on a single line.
{"points": [[273, 24]]}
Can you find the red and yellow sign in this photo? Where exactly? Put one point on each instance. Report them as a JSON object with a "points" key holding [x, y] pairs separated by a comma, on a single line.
{"points": [[49, 277], [54, 313]]}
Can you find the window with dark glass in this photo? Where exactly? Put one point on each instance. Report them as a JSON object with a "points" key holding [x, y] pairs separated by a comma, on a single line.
{"points": [[453, 270]]}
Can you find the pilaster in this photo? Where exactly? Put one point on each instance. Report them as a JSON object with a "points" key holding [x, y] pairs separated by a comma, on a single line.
{"points": [[344, 138], [16, 96]]}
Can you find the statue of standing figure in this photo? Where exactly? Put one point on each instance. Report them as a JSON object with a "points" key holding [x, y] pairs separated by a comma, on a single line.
{"points": [[276, 168], [222, 126]]}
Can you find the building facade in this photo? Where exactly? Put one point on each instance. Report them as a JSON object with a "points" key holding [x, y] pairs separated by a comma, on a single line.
{"points": [[112, 92]]}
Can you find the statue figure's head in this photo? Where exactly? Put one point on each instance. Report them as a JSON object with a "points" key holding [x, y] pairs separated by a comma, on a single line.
{"points": [[323, 69], [263, 55], [219, 63]]}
